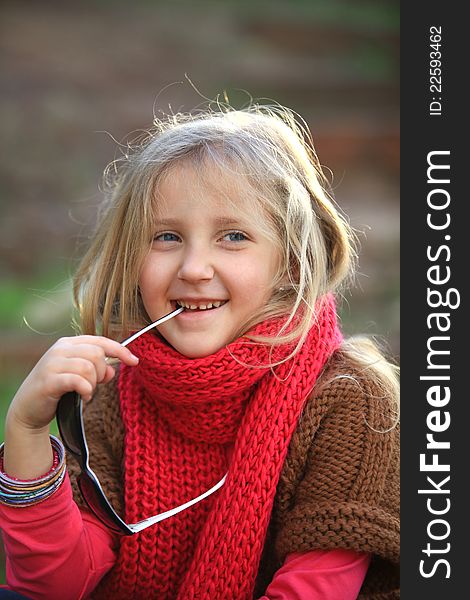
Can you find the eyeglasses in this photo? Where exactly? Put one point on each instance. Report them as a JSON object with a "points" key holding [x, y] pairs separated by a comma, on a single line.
{"points": [[70, 421]]}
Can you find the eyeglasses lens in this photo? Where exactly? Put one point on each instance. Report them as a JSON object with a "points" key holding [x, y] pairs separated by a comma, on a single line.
{"points": [[99, 505], [70, 425]]}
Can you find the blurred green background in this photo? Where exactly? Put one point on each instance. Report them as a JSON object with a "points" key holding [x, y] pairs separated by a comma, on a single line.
{"points": [[78, 77]]}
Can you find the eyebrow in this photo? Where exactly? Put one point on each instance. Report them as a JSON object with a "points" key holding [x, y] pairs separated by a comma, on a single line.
{"points": [[219, 221]]}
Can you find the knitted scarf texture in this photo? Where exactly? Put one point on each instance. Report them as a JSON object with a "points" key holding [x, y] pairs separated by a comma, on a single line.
{"points": [[187, 423]]}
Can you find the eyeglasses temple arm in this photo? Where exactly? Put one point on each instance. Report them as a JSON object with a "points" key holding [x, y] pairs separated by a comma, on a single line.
{"points": [[152, 325], [115, 361], [136, 527]]}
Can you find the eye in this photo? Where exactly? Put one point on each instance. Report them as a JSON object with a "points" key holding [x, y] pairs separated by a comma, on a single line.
{"points": [[235, 236], [166, 236]]}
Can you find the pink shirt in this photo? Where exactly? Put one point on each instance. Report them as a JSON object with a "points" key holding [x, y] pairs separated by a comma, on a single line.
{"points": [[56, 551]]}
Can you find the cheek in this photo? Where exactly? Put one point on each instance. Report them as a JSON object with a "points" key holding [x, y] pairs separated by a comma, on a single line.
{"points": [[253, 286], [150, 279], [144, 280]]}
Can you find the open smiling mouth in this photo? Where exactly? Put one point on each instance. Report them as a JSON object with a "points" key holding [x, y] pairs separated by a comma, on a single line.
{"points": [[200, 306]]}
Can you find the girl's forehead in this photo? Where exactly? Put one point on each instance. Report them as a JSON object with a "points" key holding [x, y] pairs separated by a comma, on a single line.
{"points": [[204, 185]]}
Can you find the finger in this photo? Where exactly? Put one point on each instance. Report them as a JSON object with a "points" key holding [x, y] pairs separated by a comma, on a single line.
{"points": [[81, 366], [71, 382], [110, 347], [110, 373], [91, 352]]}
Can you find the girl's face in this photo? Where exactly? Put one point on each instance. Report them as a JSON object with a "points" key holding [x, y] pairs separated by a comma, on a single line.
{"points": [[208, 256]]}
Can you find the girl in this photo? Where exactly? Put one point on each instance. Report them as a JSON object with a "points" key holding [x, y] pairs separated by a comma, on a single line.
{"points": [[223, 214]]}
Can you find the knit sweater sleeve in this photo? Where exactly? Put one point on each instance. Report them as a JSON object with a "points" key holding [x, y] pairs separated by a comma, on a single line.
{"points": [[340, 487]]}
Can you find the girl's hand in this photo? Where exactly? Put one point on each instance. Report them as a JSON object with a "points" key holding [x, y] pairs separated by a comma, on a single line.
{"points": [[71, 364]]}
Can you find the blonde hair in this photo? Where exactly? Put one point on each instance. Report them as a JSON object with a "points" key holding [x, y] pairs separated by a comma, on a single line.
{"points": [[271, 148]]}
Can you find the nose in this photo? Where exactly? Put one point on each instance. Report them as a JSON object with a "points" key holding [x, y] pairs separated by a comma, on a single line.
{"points": [[196, 265]]}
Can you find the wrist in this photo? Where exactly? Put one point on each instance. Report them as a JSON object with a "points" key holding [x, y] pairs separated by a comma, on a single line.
{"points": [[15, 425], [28, 453], [20, 492]]}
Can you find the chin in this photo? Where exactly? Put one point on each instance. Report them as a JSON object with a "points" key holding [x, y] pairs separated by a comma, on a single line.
{"points": [[197, 351]]}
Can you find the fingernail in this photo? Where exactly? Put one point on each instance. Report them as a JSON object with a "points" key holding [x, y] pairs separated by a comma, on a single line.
{"points": [[136, 358]]}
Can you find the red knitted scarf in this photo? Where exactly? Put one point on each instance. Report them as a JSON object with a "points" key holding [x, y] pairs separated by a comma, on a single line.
{"points": [[188, 422]]}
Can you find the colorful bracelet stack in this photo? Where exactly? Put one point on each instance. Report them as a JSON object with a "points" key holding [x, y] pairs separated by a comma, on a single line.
{"points": [[26, 492]]}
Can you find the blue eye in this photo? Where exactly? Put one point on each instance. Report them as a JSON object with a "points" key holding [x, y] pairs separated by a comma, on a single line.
{"points": [[166, 237], [235, 236]]}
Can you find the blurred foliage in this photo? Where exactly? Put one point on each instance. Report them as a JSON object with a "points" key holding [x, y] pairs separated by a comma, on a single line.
{"points": [[360, 13], [39, 298], [9, 385]]}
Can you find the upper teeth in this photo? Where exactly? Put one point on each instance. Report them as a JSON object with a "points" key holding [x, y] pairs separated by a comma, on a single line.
{"points": [[205, 306]]}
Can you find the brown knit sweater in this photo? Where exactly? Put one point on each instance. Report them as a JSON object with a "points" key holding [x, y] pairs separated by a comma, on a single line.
{"points": [[339, 487]]}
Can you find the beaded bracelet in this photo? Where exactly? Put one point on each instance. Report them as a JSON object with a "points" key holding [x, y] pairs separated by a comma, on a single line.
{"points": [[27, 492]]}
